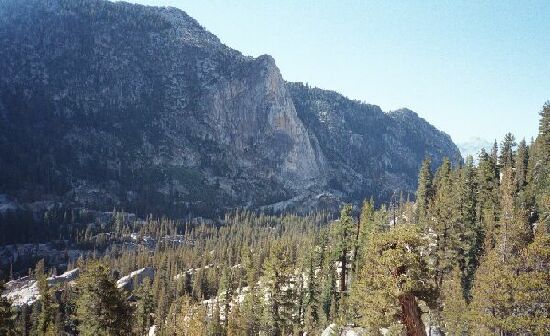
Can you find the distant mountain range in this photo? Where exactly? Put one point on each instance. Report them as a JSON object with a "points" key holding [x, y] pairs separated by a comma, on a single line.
{"points": [[473, 147], [108, 105]]}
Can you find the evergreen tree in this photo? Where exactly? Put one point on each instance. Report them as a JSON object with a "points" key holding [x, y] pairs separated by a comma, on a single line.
{"points": [[197, 322], [493, 295], [487, 198], [521, 164], [514, 230], [145, 307], [494, 152], [101, 308], [540, 166], [250, 307], [45, 325], [250, 322], [455, 309], [225, 294], [279, 309], [344, 237], [424, 193], [395, 276], [214, 326], [505, 297], [312, 297], [506, 157], [235, 325], [532, 287], [7, 316], [367, 227], [469, 232], [444, 228]]}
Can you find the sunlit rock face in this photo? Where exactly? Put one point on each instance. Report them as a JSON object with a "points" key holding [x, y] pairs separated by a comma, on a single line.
{"points": [[117, 105]]}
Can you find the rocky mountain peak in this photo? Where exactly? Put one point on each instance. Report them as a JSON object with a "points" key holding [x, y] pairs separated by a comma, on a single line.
{"points": [[119, 105]]}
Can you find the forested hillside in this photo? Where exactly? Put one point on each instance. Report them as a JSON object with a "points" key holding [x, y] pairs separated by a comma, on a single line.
{"points": [[471, 256]]}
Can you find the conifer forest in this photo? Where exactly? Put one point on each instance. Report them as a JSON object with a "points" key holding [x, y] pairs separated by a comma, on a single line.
{"points": [[470, 256], [156, 182]]}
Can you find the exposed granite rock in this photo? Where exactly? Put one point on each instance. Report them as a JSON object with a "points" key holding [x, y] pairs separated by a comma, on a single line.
{"points": [[112, 104]]}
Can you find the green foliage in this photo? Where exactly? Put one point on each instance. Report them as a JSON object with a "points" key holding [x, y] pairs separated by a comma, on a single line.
{"points": [[425, 192], [7, 316], [471, 257], [395, 267], [511, 296], [539, 174], [278, 315], [455, 308], [101, 308], [145, 307], [45, 324]]}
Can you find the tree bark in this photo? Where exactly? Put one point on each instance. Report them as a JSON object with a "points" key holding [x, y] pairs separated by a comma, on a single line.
{"points": [[411, 316], [343, 261]]}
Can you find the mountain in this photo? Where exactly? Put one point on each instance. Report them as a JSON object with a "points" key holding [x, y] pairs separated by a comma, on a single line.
{"points": [[473, 146], [108, 105]]}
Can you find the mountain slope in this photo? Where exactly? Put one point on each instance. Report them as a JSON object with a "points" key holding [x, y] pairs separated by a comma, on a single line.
{"points": [[111, 104], [369, 151]]}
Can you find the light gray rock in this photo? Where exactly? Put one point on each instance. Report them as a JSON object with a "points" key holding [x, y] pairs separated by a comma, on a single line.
{"points": [[150, 112]]}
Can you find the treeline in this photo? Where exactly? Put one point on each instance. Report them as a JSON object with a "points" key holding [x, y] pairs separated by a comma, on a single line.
{"points": [[24, 226], [471, 256]]}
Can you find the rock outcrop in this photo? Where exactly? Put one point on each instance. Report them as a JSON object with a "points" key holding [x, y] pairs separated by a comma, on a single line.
{"points": [[117, 105]]}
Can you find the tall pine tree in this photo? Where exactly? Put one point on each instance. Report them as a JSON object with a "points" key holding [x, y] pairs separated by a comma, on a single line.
{"points": [[101, 308]]}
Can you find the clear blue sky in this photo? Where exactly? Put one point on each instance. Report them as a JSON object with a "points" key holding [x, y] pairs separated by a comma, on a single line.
{"points": [[471, 68]]}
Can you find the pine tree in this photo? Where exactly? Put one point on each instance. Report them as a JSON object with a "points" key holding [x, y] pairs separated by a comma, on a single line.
{"points": [[496, 291], [469, 232], [7, 316], [443, 226], [424, 193], [367, 227], [235, 325], [492, 295], [532, 287], [455, 309], [494, 152], [506, 157], [540, 166], [279, 310], [169, 325], [101, 308], [487, 198], [344, 238], [312, 295], [521, 164], [45, 324], [185, 320], [145, 307], [197, 322], [251, 305], [225, 294], [514, 230], [395, 276], [214, 326]]}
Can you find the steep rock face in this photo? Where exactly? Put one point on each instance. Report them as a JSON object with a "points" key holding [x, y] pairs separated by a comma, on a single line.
{"points": [[141, 104], [369, 152], [111, 104]]}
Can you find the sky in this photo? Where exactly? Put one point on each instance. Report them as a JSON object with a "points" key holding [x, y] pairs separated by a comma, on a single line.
{"points": [[471, 68]]}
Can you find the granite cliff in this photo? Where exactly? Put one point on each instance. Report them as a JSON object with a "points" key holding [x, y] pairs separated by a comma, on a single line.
{"points": [[118, 105]]}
